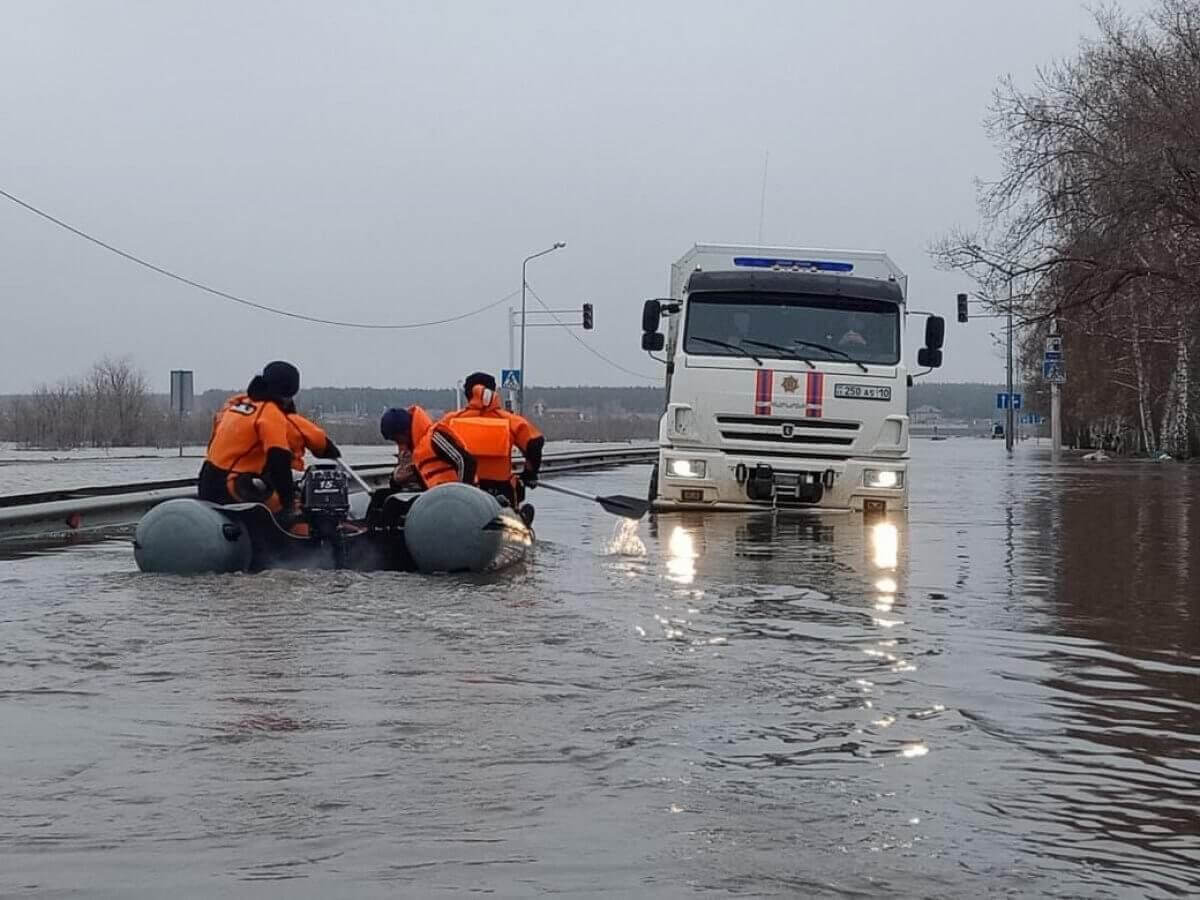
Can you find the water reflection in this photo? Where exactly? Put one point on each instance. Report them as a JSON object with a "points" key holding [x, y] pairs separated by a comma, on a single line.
{"points": [[1108, 701], [885, 544], [682, 560]]}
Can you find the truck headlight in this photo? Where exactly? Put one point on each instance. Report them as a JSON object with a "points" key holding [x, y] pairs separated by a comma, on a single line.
{"points": [[686, 468], [883, 478]]}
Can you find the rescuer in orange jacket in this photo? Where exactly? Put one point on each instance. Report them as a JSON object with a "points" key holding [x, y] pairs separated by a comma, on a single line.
{"points": [[490, 432], [304, 434], [250, 453], [430, 452]]}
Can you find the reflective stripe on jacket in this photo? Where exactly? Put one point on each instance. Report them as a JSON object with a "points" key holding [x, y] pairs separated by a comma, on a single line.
{"points": [[438, 455]]}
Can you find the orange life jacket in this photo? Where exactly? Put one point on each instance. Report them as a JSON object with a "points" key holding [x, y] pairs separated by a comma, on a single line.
{"points": [[432, 468], [490, 433], [244, 430]]}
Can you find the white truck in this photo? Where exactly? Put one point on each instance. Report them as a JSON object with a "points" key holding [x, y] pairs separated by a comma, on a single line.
{"points": [[786, 382]]}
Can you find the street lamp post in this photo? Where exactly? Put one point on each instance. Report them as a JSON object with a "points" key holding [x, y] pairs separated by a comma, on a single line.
{"points": [[558, 245]]}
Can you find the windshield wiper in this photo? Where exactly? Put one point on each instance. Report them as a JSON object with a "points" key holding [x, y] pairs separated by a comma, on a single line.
{"points": [[728, 346], [834, 350], [790, 353]]}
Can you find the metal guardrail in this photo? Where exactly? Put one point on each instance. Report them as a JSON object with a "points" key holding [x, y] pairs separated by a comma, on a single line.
{"points": [[47, 516]]}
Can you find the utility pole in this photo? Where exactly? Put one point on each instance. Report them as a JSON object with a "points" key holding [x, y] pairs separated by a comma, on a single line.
{"points": [[1008, 427], [1055, 407], [512, 357]]}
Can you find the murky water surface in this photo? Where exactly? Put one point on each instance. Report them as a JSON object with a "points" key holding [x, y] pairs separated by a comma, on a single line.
{"points": [[999, 695], [28, 471]]}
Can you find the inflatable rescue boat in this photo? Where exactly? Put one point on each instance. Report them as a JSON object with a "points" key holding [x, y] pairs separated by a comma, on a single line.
{"points": [[449, 528]]}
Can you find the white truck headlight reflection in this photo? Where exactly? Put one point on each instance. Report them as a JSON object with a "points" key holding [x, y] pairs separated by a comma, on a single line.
{"points": [[883, 478], [885, 545], [686, 468], [681, 563]]}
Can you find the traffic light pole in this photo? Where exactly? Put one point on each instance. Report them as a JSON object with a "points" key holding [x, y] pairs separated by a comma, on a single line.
{"points": [[1008, 429], [585, 323], [1055, 410], [1009, 417]]}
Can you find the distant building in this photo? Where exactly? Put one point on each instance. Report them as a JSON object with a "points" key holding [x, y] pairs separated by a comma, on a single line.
{"points": [[925, 415]]}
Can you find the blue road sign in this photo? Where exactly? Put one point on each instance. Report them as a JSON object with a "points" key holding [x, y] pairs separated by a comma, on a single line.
{"points": [[1054, 371], [510, 379], [1016, 401], [1002, 401]]}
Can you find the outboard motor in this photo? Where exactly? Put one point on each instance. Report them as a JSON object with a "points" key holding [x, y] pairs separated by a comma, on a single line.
{"points": [[325, 502]]}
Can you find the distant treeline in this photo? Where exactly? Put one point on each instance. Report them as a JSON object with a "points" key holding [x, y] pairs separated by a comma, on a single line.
{"points": [[956, 400], [112, 406], [373, 401]]}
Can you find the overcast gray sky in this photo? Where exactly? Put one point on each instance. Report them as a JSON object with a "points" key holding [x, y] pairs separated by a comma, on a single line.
{"points": [[393, 162]]}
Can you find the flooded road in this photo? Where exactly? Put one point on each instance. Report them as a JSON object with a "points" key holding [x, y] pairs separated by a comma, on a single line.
{"points": [[998, 695], [29, 471]]}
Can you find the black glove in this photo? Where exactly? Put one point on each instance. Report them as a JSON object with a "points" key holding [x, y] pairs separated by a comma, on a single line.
{"points": [[331, 450], [529, 478]]}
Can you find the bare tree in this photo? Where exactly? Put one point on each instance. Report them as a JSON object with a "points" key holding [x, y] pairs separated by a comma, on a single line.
{"points": [[1095, 219]]}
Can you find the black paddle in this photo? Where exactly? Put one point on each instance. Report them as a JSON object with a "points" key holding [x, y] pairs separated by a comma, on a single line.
{"points": [[617, 504]]}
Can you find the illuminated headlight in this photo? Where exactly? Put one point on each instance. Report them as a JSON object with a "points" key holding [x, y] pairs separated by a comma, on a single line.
{"points": [[883, 478], [686, 468]]}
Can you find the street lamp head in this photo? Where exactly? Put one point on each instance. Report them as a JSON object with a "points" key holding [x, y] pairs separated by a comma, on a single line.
{"points": [[558, 245]]}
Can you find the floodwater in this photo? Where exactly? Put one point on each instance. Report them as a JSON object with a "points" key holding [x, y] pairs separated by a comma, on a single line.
{"points": [[29, 471], [997, 696]]}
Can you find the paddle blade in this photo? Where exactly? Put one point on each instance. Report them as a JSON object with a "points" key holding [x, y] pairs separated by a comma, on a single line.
{"points": [[620, 505]]}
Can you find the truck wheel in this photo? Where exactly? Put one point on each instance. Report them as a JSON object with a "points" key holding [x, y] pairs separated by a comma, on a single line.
{"points": [[652, 493]]}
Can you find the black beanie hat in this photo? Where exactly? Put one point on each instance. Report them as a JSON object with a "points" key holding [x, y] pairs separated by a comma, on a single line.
{"points": [[478, 378], [281, 379], [395, 423]]}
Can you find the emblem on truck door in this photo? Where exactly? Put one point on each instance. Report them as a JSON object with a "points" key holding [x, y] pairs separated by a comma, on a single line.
{"points": [[788, 429], [790, 384]]}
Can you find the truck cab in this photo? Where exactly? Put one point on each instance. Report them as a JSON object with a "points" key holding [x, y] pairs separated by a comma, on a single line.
{"points": [[786, 382]]}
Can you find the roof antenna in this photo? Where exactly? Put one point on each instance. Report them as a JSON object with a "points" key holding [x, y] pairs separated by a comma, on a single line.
{"points": [[762, 204]]}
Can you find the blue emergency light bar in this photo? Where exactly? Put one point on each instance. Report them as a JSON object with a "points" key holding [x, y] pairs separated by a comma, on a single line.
{"points": [[810, 265]]}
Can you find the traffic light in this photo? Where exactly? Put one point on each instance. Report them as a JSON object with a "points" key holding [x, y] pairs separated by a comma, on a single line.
{"points": [[962, 307], [587, 317]]}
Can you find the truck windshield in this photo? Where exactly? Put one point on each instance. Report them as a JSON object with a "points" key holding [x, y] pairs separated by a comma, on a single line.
{"points": [[819, 327]]}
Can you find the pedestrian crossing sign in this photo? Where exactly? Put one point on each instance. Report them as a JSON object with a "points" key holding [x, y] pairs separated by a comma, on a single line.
{"points": [[510, 379]]}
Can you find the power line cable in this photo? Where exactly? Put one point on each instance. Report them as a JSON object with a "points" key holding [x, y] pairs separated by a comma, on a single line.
{"points": [[590, 349], [242, 300]]}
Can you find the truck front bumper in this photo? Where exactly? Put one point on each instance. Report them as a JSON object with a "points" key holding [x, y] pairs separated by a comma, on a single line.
{"points": [[731, 481]]}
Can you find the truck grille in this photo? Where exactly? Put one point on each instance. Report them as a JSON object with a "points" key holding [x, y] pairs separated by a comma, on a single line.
{"points": [[781, 432]]}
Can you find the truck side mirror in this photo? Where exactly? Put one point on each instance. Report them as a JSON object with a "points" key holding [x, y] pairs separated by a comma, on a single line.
{"points": [[653, 340], [928, 358], [651, 313], [935, 332]]}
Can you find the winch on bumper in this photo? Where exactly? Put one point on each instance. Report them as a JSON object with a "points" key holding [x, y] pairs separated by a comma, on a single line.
{"points": [[692, 480]]}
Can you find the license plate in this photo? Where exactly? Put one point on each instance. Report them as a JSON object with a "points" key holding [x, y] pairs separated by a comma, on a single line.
{"points": [[862, 391]]}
